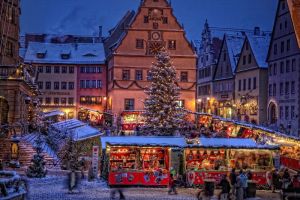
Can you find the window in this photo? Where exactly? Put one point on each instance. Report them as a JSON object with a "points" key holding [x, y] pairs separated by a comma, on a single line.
{"points": [[240, 85], [281, 89], [287, 67], [48, 100], [180, 103], [56, 69], [48, 85], [40, 85], [41, 101], [275, 69], [270, 90], [149, 76], [282, 46], [99, 70], [56, 85], [293, 65], [244, 60], [270, 70], [249, 83], [88, 84], [70, 101], [56, 101], [99, 84], [63, 85], [249, 58], [146, 19], [224, 56], [293, 87], [63, 101], [165, 20], [275, 49], [281, 67], [94, 83], [71, 85], [9, 50], [172, 44], [184, 76], [82, 69], [82, 84], [280, 26], [129, 104], [254, 83], [288, 45], [244, 84], [82, 100], [64, 70], [247, 46], [138, 75], [281, 112], [292, 112], [71, 70], [287, 112], [139, 43], [287, 88], [48, 69], [274, 89], [282, 5], [155, 25], [40, 69], [126, 75], [285, 24]]}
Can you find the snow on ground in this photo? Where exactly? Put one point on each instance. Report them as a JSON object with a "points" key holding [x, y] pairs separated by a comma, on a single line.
{"points": [[54, 188]]}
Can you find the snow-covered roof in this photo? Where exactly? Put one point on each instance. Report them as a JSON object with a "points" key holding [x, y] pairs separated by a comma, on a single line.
{"points": [[80, 53], [143, 141], [260, 45], [234, 45], [232, 143], [53, 113], [80, 130]]}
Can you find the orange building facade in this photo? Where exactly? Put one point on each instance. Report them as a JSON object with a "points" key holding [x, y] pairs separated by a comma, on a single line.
{"points": [[131, 50]]}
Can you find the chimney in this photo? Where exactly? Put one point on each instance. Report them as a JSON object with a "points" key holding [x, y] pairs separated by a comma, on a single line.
{"points": [[256, 30], [100, 31]]}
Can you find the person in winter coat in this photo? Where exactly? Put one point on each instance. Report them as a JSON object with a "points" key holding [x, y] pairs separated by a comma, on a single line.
{"points": [[242, 185], [225, 188], [172, 185], [232, 178]]}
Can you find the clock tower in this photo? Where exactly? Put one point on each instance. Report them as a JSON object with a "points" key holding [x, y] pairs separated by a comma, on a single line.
{"points": [[131, 49]]}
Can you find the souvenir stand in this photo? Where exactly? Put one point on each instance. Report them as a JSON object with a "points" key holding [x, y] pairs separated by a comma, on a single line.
{"points": [[137, 160], [130, 121], [210, 158]]}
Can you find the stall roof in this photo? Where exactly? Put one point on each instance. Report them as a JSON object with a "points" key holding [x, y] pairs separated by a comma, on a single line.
{"points": [[53, 113], [80, 130], [232, 143], [144, 141]]}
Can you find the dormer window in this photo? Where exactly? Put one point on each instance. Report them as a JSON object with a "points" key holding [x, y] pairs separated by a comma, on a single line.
{"points": [[65, 56]]}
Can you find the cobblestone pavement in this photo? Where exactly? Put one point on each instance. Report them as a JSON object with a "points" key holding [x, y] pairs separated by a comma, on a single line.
{"points": [[54, 188]]}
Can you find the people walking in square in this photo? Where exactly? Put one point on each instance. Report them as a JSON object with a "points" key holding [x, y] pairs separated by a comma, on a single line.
{"points": [[225, 188], [232, 178], [172, 185]]}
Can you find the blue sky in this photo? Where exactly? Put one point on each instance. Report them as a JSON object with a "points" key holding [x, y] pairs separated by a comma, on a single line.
{"points": [[84, 16]]}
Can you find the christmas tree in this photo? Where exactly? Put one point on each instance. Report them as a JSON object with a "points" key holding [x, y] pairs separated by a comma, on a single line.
{"points": [[37, 168], [163, 116]]}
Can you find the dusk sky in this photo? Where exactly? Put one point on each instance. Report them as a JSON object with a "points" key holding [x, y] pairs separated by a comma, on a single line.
{"points": [[84, 16]]}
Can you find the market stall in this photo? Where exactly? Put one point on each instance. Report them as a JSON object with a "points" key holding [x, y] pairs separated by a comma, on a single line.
{"points": [[210, 158], [135, 160], [131, 121]]}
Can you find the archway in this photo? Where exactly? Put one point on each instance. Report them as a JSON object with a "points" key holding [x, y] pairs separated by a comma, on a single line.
{"points": [[4, 108], [272, 113]]}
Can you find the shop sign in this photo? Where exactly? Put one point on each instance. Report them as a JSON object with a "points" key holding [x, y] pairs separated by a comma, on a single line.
{"points": [[224, 96], [95, 160]]}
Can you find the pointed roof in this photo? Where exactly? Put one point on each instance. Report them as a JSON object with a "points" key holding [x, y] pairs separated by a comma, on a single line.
{"points": [[259, 45], [234, 47], [294, 7]]}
